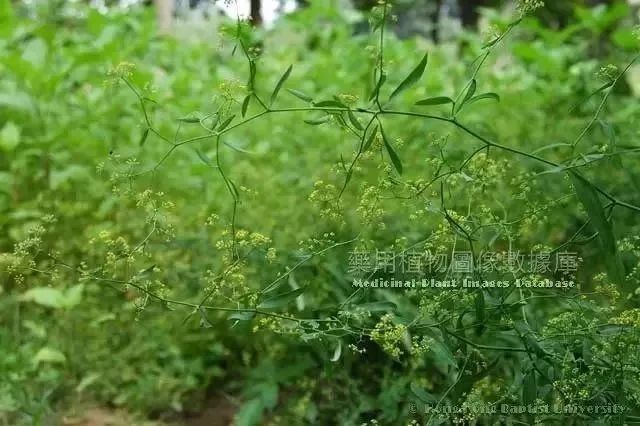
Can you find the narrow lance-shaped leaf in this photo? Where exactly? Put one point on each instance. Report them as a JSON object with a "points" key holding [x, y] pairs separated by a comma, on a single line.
{"points": [[438, 100], [144, 136], [422, 395], [317, 121], [413, 77], [471, 90], [370, 139], [588, 197], [376, 90], [245, 105], [190, 120], [480, 311], [204, 159], [354, 120], [395, 160], [284, 78], [489, 95], [281, 299], [329, 104], [302, 96], [226, 123], [252, 75], [337, 352]]}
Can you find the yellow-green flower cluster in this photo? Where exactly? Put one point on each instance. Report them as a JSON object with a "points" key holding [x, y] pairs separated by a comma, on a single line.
{"points": [[389, 336]]}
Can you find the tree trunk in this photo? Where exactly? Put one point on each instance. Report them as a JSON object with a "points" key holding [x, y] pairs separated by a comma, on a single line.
{"points": [[164, 13], [469, 12], [256, 16]]}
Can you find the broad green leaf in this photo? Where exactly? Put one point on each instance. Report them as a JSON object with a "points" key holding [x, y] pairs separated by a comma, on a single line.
{"points": [[588, 197], [284, 78], [395, 160], [73, 296], [250, 413], [281, 299], [412, 78], [35, 52], [45, 296], [442, 355], [438, 100], [9, 136], [298, 94]]}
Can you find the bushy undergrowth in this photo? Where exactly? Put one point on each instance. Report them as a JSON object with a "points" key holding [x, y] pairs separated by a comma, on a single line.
{"points": [[180, 217]]}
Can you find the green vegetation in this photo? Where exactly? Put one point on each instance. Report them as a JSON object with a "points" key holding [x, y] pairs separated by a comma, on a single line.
{"points": [[188, 218]]}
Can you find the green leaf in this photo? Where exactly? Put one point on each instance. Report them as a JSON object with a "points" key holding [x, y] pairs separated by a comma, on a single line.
{"points": [[281, 299], [284, 78], [471, 90], [245, 105], [397, 164], [190, 120], [438, 100], [242, 316], [250, 413], [226, 123], [204, 321], [329, 104], [354, 120], [73, 296], [488, 95], [45, 296], [298, 94], [252, 76], [529, 388], [442, 355], [421, 394], [49, 355], [412, 78], [144, 136], [205, 159], [588, 197], [480, 310], [317, 121], [370, 139], [9, 136], [337, 352], [376, 89], [35, 52]]}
